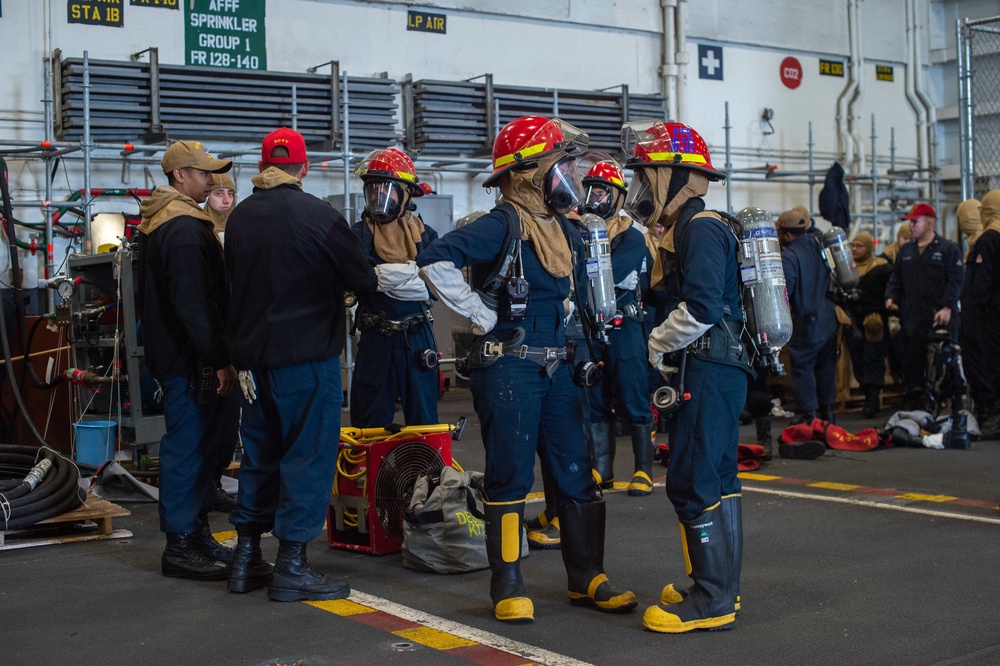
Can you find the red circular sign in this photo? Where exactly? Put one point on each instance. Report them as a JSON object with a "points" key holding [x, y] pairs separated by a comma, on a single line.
{"points": [[791, 72]]}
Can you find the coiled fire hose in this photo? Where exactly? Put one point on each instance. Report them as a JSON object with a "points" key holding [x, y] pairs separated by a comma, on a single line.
{"points": [[36, 484]]}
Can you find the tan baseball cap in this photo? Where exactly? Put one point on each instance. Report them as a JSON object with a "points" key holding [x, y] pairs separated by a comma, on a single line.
{"points": [[184, 154], [793, 219]]}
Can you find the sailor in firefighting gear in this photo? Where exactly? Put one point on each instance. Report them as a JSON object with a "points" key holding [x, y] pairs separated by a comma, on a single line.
{"points": [[701, 341], [984, 298], [813, 347], [867, 334], [519, 371], [394, 321], [622, 390]]}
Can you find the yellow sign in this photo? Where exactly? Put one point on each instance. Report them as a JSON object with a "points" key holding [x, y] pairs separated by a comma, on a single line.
{"points": [[424, 22], [831, 68], [96, 12], [883, 73]]}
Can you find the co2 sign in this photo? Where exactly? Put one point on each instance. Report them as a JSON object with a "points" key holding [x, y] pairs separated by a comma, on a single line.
{"points": [[791, 72]]}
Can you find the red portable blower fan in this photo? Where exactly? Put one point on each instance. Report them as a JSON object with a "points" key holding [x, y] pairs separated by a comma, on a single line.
{"points": [[373, 487]]}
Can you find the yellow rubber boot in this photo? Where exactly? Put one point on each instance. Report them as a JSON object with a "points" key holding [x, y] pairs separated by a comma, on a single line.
{"points": [[503, 548]]}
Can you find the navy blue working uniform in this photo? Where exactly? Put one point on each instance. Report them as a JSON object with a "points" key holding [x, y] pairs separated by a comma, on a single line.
{"points": [[704, 435], [812, 349], [985, 299], [921, 284], [623, 387], [392, 333], [291, 256], [515, 399]]}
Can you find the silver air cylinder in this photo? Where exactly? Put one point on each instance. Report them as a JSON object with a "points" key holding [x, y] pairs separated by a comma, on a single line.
{"points": [[601, 302], [837, 252], [765, 300]]}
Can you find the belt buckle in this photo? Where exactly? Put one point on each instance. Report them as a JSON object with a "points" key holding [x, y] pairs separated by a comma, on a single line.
{"points": [[551, 353], [492, 348]]}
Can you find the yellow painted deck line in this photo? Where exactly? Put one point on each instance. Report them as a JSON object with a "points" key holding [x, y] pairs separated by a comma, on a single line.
{"points": [[831, 485], [927, 498], [434, 638], [872, 504], [458, 632]]}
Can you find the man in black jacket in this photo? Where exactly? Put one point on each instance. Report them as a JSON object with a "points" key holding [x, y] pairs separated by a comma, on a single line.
{"points": [[183, 295], [291, 256]]}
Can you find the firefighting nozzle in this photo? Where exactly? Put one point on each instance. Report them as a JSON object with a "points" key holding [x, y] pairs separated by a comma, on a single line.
{"points": [[840, 261], [768, 318], [601, 281], [427, 359]]}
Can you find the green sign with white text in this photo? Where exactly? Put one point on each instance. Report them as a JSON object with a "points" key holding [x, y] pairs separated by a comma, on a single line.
{"points": [[225, 33]]}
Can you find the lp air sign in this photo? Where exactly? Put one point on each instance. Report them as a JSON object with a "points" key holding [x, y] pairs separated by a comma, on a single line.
{"points": [[791, 72]]}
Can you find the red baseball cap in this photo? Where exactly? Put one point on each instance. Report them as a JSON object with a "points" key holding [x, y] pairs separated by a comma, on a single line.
{"points": [[920, 210], [288, 138]]}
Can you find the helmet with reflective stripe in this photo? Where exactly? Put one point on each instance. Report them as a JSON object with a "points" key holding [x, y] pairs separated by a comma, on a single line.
{"points": [[390, 164], [607, 171], [525, 139], [667, 144]]}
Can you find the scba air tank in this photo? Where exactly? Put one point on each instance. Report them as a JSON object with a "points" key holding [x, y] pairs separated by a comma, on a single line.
{"points": [[768, 318], [837, 252], [601, 301]]}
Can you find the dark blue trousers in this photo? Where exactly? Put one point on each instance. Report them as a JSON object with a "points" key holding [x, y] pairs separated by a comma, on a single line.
{"points": [[189, 453], [291, 436], [522, 410], [623, 387], [704, 438], [386, 368], [813, 373], [868, 358]]}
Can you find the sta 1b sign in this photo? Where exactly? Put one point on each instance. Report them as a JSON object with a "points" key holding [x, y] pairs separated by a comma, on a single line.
{"points": [[96, 12]]}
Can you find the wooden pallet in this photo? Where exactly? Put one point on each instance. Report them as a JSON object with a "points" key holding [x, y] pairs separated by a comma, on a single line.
{"points": [[90, 522]]}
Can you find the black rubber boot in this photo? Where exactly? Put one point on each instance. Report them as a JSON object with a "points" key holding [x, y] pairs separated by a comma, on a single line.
{"points": [[872, 401], [826, 414], [206, 544], [732, 513], [709, 602], [182, 560], [642, 449], [543, 531], [583, 555], [958, 436], [601, 439], [503, 548], [764, 439], [250, 570], [294, 580]]}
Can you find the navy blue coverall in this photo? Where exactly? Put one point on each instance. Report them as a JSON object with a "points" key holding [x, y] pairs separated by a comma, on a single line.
{"points": [[516, 401], [704, 434], [386, 363], [623, 387], [813, 347], [921, 284]]}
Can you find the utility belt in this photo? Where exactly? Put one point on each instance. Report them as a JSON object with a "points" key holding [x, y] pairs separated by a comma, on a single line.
{"points": [[380, 323], [721, 344], [488, 349]]}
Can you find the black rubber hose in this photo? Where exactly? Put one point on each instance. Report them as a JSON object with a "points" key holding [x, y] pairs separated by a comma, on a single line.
{"points": [[58, 492]]}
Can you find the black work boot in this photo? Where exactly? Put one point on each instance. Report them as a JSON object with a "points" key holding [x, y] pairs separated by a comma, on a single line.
{"points": [[583, 555], [543, 530], [709, 602], [182, 560], [826, 414], [250, 570], [224, 503], [601, 439], [958, 436], [642, 449], [503, 548], [206, 544], [294, 580], [873, 401], [763, 426], [804, 417], [732, 513]]}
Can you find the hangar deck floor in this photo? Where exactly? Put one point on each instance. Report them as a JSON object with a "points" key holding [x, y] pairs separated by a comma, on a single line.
{"points": [[885, 557]]}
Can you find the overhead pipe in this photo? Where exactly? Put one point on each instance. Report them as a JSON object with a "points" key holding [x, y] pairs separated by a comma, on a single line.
{"points": [[857, 63], [930, 110], [845, 143], [668, 61], [680, 22], [910, 79]]}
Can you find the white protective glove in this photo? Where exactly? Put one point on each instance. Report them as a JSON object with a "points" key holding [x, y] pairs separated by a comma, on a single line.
{"points": [[248, 385], [677, 331], [630, 282], [656, 360], [400, 281], [450, 287]]}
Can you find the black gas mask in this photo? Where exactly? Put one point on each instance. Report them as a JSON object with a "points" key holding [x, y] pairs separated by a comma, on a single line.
{"points": [[601, 199], [563, 190]]}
